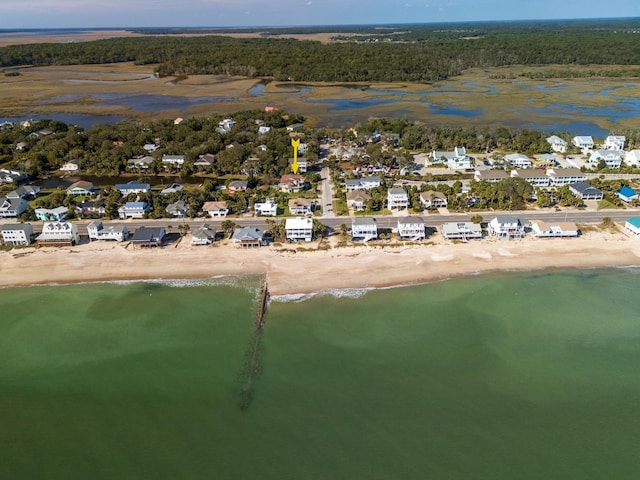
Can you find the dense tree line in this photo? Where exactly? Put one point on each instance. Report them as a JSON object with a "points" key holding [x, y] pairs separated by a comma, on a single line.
{"points": [[432, 55]]}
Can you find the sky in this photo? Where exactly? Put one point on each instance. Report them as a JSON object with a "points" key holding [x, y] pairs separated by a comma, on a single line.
{"points": [[227, 13]]}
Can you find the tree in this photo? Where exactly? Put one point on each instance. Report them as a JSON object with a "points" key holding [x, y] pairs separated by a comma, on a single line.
{"points": [[477, 219], [228, 226]]}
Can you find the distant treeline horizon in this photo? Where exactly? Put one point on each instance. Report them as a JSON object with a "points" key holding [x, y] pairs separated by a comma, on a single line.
{"points": [[412, 53]]}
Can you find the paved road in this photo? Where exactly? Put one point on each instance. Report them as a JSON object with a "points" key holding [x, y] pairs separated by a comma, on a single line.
{"points": [[384, 221], [327, 194]]}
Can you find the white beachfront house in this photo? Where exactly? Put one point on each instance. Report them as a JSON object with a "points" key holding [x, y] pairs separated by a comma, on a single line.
{"points": [[364, 229], [542, 229], [411, 227], [97, 231], [612, 158], [57, 234], [583, 142], [299, 228], [518, 160], [268, 208], [557, 144], [203, 235], [633, 226], [17, 233], [303, 164], [506, 226], [247, 237], [614, 142], [461, 230], [535, 176], [397, 198]]}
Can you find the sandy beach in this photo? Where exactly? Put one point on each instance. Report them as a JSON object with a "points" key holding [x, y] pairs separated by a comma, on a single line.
{"points": [[314, 271]]}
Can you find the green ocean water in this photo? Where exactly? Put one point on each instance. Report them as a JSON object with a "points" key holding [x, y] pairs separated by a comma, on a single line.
{"points": [[511, 376]]}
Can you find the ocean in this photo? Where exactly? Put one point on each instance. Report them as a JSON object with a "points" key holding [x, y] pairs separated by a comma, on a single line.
{"points": [[502, 376]]}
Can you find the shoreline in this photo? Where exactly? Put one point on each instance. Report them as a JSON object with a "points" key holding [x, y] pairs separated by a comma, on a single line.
{"points": [[315, 272]]}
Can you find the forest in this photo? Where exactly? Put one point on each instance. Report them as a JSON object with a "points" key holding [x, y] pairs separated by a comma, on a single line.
{"points": [[412, 54]]}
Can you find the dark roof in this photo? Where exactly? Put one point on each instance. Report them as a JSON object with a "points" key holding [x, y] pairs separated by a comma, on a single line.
{"points": [[148, 235], [583, 188]]}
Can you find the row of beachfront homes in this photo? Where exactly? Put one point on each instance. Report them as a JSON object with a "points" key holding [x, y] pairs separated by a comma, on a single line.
{"points": [[363, 229]]}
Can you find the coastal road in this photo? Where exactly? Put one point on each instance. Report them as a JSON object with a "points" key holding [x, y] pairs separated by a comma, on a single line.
{"points": [[384, 221], [327, 194]]}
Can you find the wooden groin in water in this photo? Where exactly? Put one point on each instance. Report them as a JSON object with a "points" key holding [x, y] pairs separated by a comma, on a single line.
{"points": [[261, 314], [253, 357]]}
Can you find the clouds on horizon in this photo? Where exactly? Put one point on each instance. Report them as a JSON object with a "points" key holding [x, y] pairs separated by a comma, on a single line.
{"points": [[141, 13]]}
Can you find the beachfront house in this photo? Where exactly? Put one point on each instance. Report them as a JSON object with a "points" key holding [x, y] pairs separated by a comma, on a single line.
{"points": [[632, 158], [633, 226], [132, 187], [565, 176], [583, 142], [299, 228], [461, 230], [364, 229], [17, 233], [12, 207], [133, 210], [301, 206], [248, 237], [148, 237], [506, 226], [433, 199], [411, 227], [268, 208], [216, 209], [397, 198], [542, 229], [358, 199], [491, 176], [97, 231], [611, 158], [586, 191], [80, 188], [203, 235], [627, 194], [535, 176], [614, 142], [51, 214], [518, 160], [58, 234], [557, 144]]}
